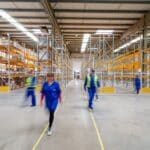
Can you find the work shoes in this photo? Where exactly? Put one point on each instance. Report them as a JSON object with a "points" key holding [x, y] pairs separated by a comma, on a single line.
{"points": [[49, 133], [32, 105], [90, 108]]}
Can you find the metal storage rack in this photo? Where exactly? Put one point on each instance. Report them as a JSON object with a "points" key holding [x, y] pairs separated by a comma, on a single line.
{"points": [[15, 62]]}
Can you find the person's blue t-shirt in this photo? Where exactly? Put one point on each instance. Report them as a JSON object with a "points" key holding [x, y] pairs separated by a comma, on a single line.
{"points": [[51, 92], [137, 83]]}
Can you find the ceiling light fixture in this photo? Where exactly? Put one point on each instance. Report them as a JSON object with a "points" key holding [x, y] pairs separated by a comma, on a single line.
{"points": [[104, 32], [36, 31], [19, 26], [148, 34], [129, 43], [84, 42], [93, 48]]}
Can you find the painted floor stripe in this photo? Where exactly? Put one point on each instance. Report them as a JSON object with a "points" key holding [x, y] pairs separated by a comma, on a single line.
{"points": [[43, 133], [40, 138], [97, 132]]}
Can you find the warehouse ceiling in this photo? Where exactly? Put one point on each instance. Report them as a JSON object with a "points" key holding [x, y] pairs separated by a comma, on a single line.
{"points": [[30, 14], [74, 17]]}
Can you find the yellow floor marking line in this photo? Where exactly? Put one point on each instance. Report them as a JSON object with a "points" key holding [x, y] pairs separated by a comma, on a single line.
{"points": [[43, 132], [41, 136], [97, 132]]}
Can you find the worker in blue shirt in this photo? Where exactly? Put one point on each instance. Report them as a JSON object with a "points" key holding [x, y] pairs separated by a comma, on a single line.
{"points": [[30, 89], [137, 84], [91, 83], [52, 93]]}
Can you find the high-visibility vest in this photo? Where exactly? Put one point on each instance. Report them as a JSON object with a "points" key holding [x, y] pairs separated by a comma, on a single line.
{"points": [[29, 82], [89, 81]]}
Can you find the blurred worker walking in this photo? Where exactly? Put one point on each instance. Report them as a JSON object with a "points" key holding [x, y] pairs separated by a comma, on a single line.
{"points": [[91, 84], [30, 89], [137, 84], [52, 93]]}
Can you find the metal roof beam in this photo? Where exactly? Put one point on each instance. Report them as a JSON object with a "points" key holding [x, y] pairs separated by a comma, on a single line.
{"points": [[74, 33], [20, 1], [92, 18], [139, 26], [24, 39], [21, 36], [11, 28], [98, 11], [23, 10], [103, 1], [93, 24], [80, 36], [77, 39], [93, 28], [30, 17], [75, 54], [27, 23], [47, 6]]}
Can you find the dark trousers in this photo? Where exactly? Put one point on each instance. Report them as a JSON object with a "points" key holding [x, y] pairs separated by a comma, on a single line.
{"points": [[96, 94], [51, 118], [137, 90], [30, 92], [91, 92]]}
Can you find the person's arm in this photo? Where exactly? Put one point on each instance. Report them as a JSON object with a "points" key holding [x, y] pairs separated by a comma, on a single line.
{"points": [[135, 82], [98, 83], [85, 82], [42, 95], [34, 81], [42, 98], [59, 93], [140, 82], [60, 98]]}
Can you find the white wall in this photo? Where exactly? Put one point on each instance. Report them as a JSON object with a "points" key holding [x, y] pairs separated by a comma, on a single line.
{"points": [[77, 63]]}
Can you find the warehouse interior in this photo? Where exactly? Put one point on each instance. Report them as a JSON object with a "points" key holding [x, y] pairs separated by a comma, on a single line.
{"points": [[67, 38]]}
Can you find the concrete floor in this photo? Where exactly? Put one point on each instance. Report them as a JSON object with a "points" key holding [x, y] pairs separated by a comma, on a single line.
{"points": [[123, 122]]}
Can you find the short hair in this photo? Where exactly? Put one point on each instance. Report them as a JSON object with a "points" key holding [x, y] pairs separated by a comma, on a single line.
{"points": [[92, 70], [30, 71], [50, 75]]}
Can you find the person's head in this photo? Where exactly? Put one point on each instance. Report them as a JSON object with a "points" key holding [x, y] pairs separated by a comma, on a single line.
{"points": [[92, 71], [30, 72], [50, 77], [137, 76]]}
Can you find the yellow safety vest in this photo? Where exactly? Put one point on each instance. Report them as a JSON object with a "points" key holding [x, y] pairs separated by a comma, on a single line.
{"points": [[89, 81], [29, 82]]}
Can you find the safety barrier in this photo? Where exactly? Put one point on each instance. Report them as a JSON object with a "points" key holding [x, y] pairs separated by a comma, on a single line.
{"points": [[145, 90], [107, 89], [4, 88], [38, 88]]}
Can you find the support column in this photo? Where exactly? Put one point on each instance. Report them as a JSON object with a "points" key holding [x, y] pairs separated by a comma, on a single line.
{"points": [[8, 57], [144, 55], [112, 65], [103, 54], [61, 60], [52, 47]]}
